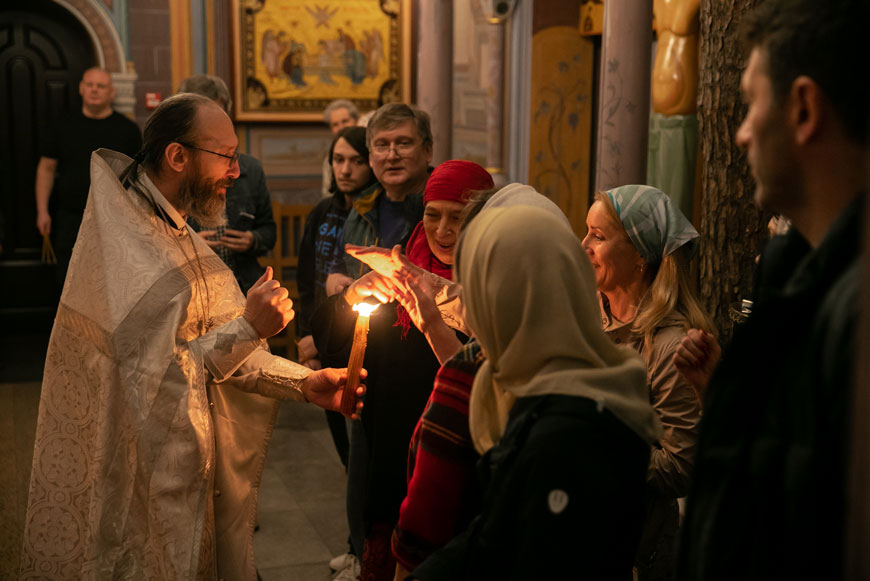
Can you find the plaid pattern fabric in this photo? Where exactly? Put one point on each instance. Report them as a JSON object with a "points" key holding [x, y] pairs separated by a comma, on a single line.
{"points": [[225, 253], [443, 494]]}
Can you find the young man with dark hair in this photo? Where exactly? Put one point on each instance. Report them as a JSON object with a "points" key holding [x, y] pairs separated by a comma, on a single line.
{"points": [[768, 496]]}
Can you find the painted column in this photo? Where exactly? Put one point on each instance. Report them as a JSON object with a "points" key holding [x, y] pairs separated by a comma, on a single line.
{"points": [[623, 114], [494, 79], [435, 71]]}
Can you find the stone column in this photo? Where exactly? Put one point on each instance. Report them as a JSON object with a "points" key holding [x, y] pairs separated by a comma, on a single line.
{"points": [[623, 114], [435, 71], [494, 79]]}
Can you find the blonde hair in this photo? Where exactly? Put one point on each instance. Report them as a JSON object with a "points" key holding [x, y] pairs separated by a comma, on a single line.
{"points": [[670, 289]]}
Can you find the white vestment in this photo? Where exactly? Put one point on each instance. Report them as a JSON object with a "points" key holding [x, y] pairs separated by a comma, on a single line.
{"points": [[153, 424]]}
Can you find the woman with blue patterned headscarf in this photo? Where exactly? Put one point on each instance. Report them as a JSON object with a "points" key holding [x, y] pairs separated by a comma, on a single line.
{"points": [[640, 244]]}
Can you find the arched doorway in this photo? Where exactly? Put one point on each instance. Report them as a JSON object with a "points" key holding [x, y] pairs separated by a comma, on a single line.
{"points": [[43, 52]]}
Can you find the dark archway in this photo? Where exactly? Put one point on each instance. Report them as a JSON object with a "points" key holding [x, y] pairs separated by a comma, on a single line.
{"points": [[43, 52]]}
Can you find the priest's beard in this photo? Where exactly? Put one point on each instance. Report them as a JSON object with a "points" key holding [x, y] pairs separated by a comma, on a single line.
{"points": [[201, 199]]}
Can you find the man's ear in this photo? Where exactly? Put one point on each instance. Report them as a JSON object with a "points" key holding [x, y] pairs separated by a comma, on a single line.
{"points": [[176, 157], [807, 103], [427, 150]]}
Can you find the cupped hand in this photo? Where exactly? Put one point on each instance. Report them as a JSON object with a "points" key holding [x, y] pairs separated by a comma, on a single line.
{"points": [[382, 260], [268, 308], [417, 296], [324, 387], [371, 284], [337, 282]]}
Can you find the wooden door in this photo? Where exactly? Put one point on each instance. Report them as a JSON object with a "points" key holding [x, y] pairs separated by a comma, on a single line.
{"points": [[43, 52]]}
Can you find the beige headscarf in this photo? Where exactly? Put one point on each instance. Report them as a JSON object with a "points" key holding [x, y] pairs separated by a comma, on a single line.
{"points": [[529, 296]]}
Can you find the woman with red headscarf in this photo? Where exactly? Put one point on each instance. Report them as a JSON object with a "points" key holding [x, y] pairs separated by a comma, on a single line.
{"points": [[400, 362]]}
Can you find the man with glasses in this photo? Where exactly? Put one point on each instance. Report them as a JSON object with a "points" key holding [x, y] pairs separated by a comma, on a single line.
{"points": [[400, 145], [159, 392], [250, 229], [62, 173]]}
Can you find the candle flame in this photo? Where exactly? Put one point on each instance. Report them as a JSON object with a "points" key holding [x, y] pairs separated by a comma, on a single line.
{"points": [[365, 309]]}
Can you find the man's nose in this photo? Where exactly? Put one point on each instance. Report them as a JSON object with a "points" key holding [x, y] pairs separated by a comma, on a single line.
{"points": [[234, 171]]}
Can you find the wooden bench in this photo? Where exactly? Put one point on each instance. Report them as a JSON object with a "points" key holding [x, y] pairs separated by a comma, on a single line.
{"points": [[284, 260]]}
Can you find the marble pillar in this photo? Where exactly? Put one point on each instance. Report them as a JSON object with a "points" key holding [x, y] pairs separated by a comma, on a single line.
{"points": [[495, 122], [435, 71], [624, 99]]}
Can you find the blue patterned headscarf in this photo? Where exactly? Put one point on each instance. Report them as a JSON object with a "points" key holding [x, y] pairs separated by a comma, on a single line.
{"points": [[655, 226]]}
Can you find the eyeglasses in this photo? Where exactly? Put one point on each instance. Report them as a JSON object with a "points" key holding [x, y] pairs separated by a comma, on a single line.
{"points": [[231, 158], [401, 149]]}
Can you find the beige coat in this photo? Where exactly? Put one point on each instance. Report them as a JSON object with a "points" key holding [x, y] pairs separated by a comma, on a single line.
{"points": [[679, 410], [149, 449]]}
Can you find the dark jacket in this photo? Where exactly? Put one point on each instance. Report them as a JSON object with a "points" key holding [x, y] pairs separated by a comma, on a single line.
{"points": [[564, 499], [317, 251], [768, 495], [400, 376]]}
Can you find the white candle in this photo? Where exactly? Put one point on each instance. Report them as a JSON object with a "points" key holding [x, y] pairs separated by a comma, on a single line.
{"points": [[357, 354]]}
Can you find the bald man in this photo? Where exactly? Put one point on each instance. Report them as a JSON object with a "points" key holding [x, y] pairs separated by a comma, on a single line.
{"points": [[63, 170]]}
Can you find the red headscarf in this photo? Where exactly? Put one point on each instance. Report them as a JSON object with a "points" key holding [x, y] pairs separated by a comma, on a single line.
{"points": [[455, 181]]}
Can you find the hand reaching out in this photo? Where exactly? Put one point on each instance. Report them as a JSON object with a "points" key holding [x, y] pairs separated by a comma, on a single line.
{"points": [[371, 284], [418, 297]]}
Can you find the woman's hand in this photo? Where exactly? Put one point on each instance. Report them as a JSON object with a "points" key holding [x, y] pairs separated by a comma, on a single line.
{"points": [[382, 260], [391, 264], [696, 358], [371, 284], [417, 296]]}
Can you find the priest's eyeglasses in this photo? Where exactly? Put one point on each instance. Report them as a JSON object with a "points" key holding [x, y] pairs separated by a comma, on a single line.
{"points": [[231, 158]]}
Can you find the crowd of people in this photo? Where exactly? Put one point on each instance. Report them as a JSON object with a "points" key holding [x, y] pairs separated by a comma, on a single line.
{"points": [[535, 404]]}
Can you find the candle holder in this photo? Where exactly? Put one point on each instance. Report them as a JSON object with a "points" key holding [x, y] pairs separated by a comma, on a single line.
{"points": [[357, 354]]}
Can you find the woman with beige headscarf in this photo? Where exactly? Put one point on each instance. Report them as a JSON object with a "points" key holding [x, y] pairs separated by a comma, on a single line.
{"points": [[560, 412]]}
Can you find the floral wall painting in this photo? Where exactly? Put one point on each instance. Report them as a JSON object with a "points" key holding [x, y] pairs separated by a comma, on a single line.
{"points": [[292, 57]]}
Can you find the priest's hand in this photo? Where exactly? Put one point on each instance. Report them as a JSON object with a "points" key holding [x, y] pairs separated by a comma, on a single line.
{"points": [[324, 388], [268, 308]]}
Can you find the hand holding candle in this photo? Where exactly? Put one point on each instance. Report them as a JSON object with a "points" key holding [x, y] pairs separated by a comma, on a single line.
{"points": [[357, 354], [325, 388]]}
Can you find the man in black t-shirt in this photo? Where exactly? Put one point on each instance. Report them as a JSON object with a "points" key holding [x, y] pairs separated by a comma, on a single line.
{"points": [[63, 170]]}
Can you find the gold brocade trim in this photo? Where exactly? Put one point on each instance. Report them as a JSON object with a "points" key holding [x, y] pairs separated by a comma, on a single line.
{"points": [[84, 328]]}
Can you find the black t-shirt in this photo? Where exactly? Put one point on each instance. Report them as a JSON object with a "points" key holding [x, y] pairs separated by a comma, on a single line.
{"points": [[71, 144]]}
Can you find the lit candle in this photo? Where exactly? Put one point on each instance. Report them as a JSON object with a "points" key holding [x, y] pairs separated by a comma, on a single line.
{"points": [[357, 354]]}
